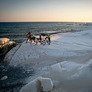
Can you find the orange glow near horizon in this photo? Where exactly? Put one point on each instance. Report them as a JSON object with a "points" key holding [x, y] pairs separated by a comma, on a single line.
{"points": [[46, 18], [46, 11]]}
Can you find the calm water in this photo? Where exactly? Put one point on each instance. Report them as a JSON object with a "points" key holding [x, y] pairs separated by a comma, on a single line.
{"points": [[18, 30]]}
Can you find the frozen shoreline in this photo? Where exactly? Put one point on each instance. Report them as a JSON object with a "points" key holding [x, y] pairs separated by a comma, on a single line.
{"points": [[62, 45], [75, 49]]}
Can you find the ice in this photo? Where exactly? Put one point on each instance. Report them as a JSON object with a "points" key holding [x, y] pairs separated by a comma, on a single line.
{"points": [[62, 45], [85, 71], [38, 85], [46, 83], [67, 62], [65, 66], [10, 54], [24, 52], [71, 76], [64, 77]]}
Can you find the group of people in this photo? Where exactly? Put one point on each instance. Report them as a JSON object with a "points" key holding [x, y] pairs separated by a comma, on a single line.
{"points": [[32, 37]]}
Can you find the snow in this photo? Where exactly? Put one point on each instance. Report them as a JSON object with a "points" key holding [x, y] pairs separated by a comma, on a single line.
{"points": [[40, 83], [32, 86], [10, 54], [63, 45], [71, 77], [63, 77], [66, 63], [65, 66], [46, 84]]}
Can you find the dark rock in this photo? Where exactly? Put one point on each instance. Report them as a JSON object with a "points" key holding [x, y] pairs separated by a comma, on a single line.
{"points": [[5, 47]]}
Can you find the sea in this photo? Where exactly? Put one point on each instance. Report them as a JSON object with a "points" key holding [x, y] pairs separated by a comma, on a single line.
{"points": [[18, 30], [13, 78]]}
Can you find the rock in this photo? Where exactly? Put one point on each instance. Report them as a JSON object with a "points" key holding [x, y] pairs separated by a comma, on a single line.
{"points": [[6, 45], [4, 77], [4, 40], [32, 86], [37, 85], [46, 84], [10, 54]]}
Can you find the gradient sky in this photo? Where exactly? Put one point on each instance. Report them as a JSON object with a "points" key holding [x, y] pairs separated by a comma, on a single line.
{"points": [[45, 10]]}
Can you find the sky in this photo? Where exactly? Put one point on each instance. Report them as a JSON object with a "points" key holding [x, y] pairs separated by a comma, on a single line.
{"points": [[45, 10]]}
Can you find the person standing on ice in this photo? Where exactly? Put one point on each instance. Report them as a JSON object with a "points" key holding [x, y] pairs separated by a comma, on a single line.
{"points": [[29, 36], [49, 41], [33, 37], [40, 38]]}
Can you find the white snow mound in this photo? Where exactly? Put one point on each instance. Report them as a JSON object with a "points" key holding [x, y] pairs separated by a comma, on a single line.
{"points": [[65, 77], [38, 85]]}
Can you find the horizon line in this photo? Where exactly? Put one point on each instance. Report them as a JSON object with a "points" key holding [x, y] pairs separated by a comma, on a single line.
{"points": [[45, 21]]}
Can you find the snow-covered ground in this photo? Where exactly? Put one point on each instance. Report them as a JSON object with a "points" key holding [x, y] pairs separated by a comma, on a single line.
{"points": [[66, 62]]}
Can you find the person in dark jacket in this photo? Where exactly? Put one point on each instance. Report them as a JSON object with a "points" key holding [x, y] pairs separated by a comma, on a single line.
{"points": [[29, 36], [40, 38], [49, 40]]}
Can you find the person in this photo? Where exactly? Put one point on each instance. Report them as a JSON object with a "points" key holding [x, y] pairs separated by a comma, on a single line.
{"points": [[40, 38], [29, 36], [49, 41], [33, 37]]}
